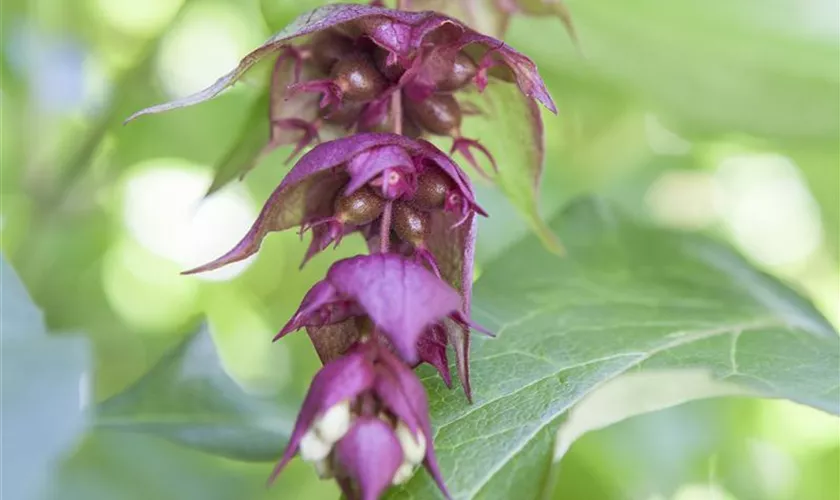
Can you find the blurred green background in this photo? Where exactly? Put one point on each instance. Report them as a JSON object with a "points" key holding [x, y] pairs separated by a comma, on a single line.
{"points": [[720, 116]]}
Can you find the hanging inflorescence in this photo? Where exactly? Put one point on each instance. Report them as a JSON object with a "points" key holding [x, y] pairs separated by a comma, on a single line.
{"points": [[375, 81]]}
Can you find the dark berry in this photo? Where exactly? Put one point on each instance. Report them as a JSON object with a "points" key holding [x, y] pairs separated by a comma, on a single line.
{"points": [[440, 114], [462, 72], [411, 129], [329, 47], [346, 113], [411, 225], [360, 207], [358, 78], [432, 187]]}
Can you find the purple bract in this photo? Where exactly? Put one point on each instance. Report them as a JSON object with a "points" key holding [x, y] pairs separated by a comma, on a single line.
{"points": [[365, 422]]}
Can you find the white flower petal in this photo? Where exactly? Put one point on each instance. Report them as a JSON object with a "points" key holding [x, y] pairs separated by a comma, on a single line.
{"points": [[334, 423], [403, 474], [313, 448], [413, 445]]}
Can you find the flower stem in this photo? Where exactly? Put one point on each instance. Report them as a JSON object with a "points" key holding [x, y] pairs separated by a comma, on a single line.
{"points": [[396, 112], [385, 229]]}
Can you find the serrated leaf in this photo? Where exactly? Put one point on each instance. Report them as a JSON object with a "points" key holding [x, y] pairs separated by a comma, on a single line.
{"points": [[188, 398], [512, 128], [626, 299], [42, 389]]}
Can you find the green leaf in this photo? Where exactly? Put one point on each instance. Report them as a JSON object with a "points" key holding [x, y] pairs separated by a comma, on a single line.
{"points": [[513, 126], [626, 300], [713, 67], [188, 398], [124, 466], [244, 153], [43, 391]]}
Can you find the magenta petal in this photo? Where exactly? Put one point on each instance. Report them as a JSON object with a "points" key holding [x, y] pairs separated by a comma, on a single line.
{"points": [[344, 378], [388, 389], [432, 350], [371, 453], [415, 394], [454, 250], [323, 237], [321, 305], [400, 296], [374, 161], [524, 70]]}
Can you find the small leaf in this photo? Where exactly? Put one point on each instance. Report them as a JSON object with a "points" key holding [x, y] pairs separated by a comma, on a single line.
{"points": [[550, 8], [626, 300], [245, 151], [188, 398], [512, 124], [43, 390]]}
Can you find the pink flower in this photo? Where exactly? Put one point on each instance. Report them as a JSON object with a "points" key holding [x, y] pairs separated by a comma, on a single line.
{"points": [[365, 421]]}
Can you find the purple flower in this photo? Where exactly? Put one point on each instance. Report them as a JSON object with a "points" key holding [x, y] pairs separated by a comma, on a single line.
{"points": [[354, 184], [365, 421], [401, 298], [346, 185], [337, 67]]}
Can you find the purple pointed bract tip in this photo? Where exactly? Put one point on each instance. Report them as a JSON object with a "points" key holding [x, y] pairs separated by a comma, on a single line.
{"points": [[342, 379]]}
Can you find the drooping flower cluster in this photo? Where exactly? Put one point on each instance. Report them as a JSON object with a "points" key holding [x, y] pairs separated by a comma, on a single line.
{"points": [[357, 72], [336, 71]]}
